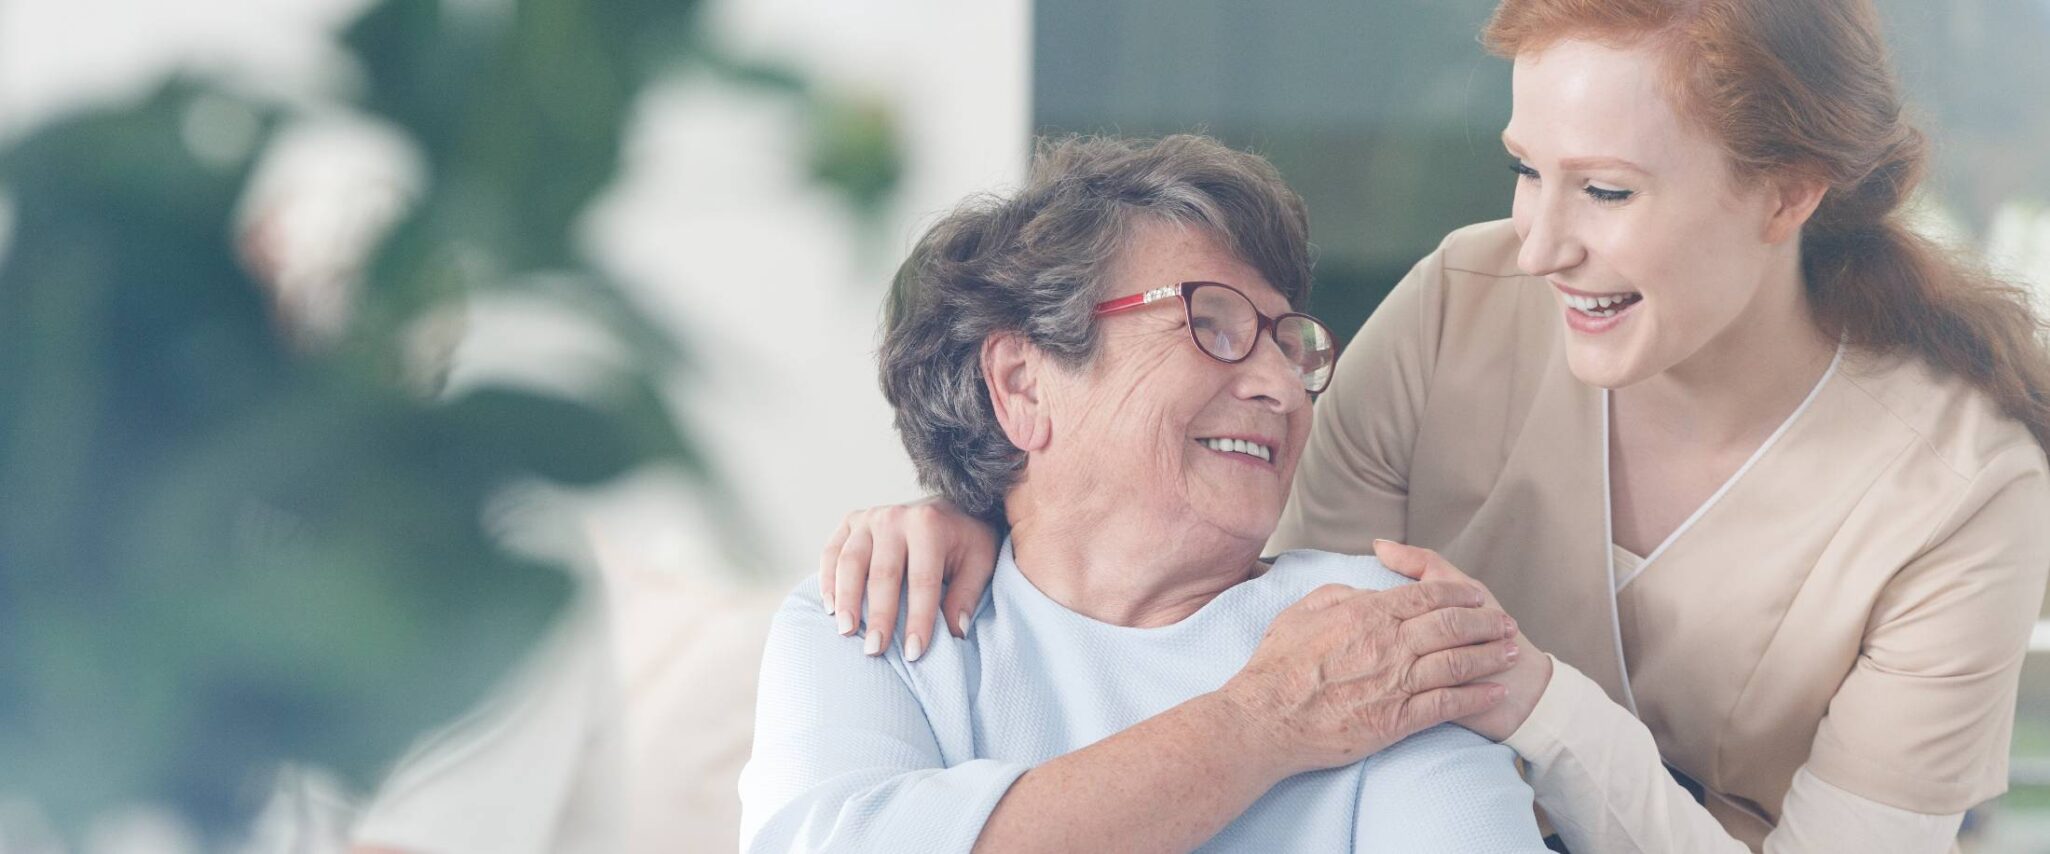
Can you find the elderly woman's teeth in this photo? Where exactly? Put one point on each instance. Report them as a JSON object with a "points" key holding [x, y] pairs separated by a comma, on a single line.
{"points": [[1240, 446], [1605, 306]]}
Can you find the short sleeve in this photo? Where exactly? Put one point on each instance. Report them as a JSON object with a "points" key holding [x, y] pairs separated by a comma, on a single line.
{"points": [[1445, 789], [1352, 483], [1923, 721], [844, 759]]}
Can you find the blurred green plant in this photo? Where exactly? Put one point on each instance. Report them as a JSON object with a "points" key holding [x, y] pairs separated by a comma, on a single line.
{"points": [[220, 549]]}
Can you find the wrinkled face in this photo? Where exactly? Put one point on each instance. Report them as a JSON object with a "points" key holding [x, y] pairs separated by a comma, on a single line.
{"points": [[1141, 428], [1653, 251]]}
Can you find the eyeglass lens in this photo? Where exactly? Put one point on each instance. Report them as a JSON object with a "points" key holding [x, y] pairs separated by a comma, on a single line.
{"points": [[1226, 323]]}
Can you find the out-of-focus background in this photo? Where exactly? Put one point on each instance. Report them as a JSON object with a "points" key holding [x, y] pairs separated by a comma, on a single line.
{"points": [[357, 353]]}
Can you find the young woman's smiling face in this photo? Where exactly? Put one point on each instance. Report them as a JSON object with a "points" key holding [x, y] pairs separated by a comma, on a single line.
{"points": [[1654, 252]]}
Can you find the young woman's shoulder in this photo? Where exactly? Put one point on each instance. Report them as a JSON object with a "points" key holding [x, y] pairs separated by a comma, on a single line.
{"points": [[1484, 249], [1955, 424], [1471, 283]]}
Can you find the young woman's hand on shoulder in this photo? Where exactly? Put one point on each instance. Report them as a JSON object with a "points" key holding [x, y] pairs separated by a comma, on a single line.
{"points": [[945, 556], [1525, 679]]}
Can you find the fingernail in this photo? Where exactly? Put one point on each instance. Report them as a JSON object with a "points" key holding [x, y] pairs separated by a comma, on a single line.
{"points": [[1509, 626], [1514, 651], [846, 623], [828, 602], [1379, 543], [874, 646], [961, 623], [914, 647]]}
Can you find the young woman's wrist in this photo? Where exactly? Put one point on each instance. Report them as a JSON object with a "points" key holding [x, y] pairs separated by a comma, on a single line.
{"points": [[1503, 722], [1522, 703]]}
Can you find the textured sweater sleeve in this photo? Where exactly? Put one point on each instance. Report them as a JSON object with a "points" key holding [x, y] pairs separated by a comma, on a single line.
{"points": [[843, 757], [1445, 789]]}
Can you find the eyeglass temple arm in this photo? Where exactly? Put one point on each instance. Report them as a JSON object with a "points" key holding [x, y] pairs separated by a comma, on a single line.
{"points": [[1136, 300]]}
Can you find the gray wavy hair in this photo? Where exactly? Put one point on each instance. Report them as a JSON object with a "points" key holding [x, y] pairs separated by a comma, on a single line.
{"points": [[1034, 262]]}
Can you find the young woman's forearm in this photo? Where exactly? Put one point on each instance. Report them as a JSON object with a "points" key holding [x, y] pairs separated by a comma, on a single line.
{"points": [[1168, 783]]}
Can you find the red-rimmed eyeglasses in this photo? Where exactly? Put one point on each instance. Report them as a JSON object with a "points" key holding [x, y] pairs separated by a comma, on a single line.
{"points": [[1225, 325]]}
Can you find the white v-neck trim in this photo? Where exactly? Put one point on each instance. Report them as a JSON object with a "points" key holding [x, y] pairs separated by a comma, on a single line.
{"points": [[1719, 493], [1609, 534]]}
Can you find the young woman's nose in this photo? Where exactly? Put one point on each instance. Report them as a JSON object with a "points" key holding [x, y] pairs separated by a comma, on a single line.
{"points": [[1549, 242]]}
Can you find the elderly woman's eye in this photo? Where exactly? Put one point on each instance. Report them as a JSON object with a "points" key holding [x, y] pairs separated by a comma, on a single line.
{"points": [[1211, 336]]}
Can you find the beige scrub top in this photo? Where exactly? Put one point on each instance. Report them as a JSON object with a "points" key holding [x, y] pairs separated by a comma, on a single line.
{"points": [[1854, 605]]}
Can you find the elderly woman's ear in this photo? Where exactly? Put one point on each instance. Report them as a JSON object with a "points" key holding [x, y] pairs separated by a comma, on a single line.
{"points": [[1013, 370]]}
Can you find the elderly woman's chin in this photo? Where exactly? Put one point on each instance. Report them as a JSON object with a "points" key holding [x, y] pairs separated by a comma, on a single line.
{"points": [[1240, 498]]}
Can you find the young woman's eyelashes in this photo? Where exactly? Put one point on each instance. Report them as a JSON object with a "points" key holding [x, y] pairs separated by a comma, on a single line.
{"points": [[1601, 195]]}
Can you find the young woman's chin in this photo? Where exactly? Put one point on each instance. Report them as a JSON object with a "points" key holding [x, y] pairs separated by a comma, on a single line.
{"points": [[1606, 366]]}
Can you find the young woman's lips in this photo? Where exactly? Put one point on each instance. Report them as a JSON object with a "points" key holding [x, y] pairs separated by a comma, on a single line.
{"points": [[1586, 314]]}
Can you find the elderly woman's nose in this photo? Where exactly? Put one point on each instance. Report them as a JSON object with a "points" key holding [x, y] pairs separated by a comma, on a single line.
{"points": [[1269, 377]]}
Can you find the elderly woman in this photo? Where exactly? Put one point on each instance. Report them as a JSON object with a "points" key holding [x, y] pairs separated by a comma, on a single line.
{"points": [[1109, 364]]}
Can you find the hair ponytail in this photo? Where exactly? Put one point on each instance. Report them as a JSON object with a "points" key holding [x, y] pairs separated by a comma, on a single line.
{"points": [[1888, 289]]}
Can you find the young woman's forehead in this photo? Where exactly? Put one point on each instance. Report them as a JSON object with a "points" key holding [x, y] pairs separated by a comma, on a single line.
{"points": [[1585, 100]]}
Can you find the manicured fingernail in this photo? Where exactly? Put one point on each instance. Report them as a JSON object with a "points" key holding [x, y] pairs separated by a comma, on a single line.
{"points": [[828, 603], [874, 646], [1513, 652], [914, 646], [961, 623], [846, 623]]}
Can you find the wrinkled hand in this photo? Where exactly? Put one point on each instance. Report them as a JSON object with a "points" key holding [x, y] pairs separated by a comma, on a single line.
{"points": [[1525, 682], [930, 545], [1344, 672]]}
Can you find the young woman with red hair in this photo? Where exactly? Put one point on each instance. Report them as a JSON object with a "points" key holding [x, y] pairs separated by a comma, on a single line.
{"points": [[1760, 468]]}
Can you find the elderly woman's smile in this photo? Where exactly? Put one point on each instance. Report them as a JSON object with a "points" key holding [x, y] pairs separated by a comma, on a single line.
{"points": [[1258, 447]]}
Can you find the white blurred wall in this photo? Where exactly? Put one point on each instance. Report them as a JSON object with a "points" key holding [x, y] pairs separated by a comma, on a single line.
{"points": [[771, 280]]}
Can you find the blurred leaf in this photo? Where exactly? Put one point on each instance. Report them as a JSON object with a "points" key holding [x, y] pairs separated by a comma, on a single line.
{"points": [[853, 144], [855, 151]]}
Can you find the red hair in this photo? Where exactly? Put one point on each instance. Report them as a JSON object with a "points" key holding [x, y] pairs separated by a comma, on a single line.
{"points": [[1804, 90]]}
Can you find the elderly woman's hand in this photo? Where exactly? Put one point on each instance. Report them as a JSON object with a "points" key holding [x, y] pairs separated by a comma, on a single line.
{"points": [[1345, 672], [1524, 682], [928, 544]]}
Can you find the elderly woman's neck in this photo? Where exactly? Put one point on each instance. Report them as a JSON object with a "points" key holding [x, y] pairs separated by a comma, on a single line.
{"points": [[1129, 574]]}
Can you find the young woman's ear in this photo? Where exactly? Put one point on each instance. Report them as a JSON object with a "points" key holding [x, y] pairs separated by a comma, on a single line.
{"points": [[1013, 370], [1795, 201]]}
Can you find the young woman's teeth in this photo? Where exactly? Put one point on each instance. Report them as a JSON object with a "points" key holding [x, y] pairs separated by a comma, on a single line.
{"points": [[1602, 306], [1240, 446]]}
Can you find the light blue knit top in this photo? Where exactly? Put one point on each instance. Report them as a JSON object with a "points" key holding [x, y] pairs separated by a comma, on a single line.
{"points": [[854, 753]]}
